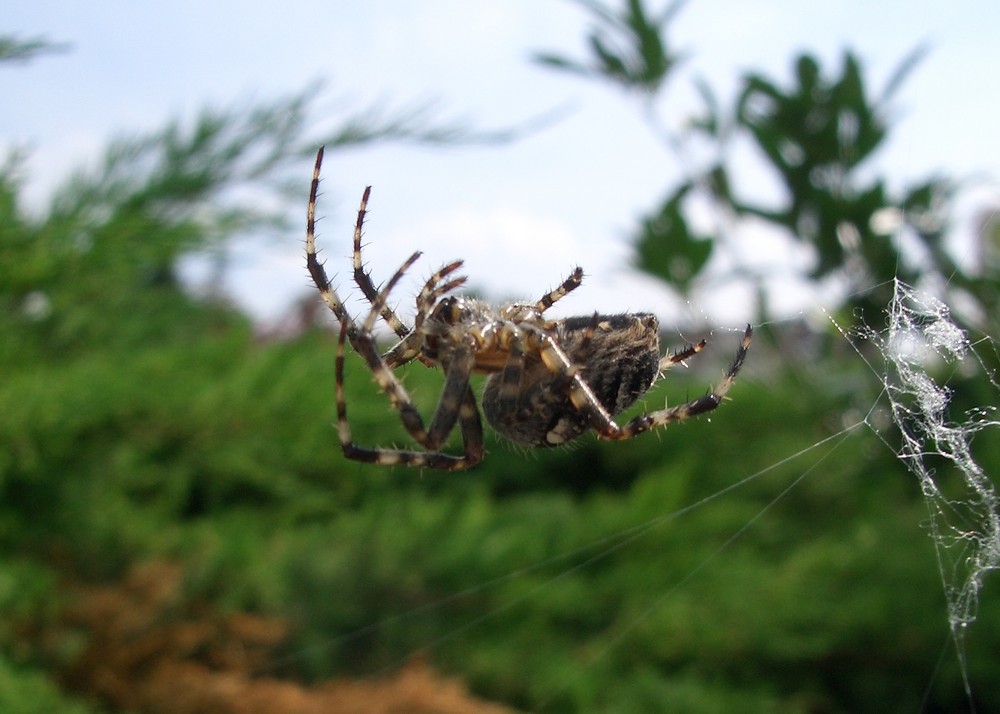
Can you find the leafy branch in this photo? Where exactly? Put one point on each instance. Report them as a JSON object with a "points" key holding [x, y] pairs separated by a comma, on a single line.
{"points": [[819, 135]]}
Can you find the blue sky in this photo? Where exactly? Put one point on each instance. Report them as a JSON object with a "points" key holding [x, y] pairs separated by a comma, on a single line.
{"points": [[521, 215]]}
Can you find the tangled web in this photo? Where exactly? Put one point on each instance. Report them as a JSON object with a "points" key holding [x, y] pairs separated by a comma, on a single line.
{"points": [[920, 348]]}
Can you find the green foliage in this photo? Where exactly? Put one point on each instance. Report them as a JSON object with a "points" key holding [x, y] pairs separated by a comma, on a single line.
{"points": [[31, 691], [540, 578], [14, 49], [667, 246], [101, 267], [542, 597], [819, 137], [629, 47], [28, 592]]}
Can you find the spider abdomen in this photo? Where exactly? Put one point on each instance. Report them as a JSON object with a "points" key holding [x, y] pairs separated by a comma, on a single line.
{"points": [[618, 357]]}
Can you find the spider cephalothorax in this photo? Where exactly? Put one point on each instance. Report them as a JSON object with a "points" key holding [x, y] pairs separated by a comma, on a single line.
{"points": [[549, 380]]}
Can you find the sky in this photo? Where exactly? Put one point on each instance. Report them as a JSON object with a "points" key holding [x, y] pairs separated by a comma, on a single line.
{"points": [[521, 215]]}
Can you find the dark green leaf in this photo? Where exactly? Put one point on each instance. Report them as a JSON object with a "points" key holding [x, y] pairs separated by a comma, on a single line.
{"points": [[667, 247]]}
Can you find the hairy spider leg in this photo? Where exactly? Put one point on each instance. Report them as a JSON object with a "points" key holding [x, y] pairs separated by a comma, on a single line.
{"points": [[510, 381], [570, 284], [380, 298], [512, 373], [363, 278], [696, 407], [469, 422], [513, 370], [584, 400], [458, 371], [678, 357], [456, 404], [408, 348], [433, 291], [316, 270]]}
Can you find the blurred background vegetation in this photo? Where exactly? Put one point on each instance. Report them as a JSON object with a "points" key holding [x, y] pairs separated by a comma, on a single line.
{"points": [[174, 510]]}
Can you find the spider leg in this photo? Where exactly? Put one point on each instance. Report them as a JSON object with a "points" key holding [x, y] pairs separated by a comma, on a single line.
{"points": [[449, 405], [379, 303], [585, 401], [316, 270], [696, 407], [456, 403], [363, 278], [408, 348], [570, 284], [510, 390], [459, 369], [580, 394], [433, 290], [510, 383], [678, 357], [466, 413]]}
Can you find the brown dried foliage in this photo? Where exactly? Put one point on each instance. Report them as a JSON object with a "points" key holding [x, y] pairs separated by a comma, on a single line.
{"points": [[149, 650]]}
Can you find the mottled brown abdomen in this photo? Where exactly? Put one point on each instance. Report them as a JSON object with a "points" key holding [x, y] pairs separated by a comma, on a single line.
{"points": [[619, 362]]}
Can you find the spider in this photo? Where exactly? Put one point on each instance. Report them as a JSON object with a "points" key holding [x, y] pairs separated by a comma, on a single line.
{"points": [[549, 381]]}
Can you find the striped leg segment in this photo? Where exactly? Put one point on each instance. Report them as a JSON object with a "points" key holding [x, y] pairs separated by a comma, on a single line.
{"points": [[456, 405], [584, 400], [363, 278], [570, 284], [316, 270], [680, 356], [696, 407], [408, 348]]}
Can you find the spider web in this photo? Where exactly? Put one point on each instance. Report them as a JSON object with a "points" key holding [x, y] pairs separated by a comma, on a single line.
{"points": [[919, 347]]}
